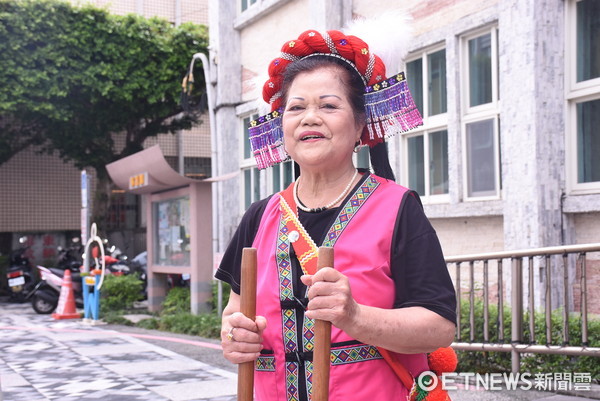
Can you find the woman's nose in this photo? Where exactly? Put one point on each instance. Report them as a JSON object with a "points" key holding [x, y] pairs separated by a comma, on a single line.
{"points": [[311, 116]]}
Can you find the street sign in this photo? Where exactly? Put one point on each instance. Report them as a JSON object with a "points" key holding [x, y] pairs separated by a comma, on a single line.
{"points": [[85, 214]]}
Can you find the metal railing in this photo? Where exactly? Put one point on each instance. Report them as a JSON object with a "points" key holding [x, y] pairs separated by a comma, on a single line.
{"points": [[545, 258]]}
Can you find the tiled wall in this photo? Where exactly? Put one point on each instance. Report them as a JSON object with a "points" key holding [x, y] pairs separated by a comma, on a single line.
{"points": [[39, 193], [190, 10]]}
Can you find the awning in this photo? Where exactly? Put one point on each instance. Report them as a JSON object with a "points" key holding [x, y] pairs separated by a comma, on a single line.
{"points": [[146, 172]]}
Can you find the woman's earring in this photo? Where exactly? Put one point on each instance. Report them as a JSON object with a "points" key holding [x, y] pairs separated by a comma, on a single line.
{"points": [[357, 145]]}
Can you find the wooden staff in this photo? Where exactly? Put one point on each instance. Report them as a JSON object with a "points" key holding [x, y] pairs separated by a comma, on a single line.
{"points": [[248, 308], [322, 351]]}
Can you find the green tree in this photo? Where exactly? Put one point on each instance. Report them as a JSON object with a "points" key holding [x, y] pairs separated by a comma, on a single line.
{"points": [[89, 85]]}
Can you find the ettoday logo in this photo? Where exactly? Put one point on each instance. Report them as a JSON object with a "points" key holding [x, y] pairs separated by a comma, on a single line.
{"points": [[428, 380]]}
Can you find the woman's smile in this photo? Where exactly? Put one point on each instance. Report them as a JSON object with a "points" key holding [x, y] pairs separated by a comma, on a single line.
{"points": [[311, 136]]}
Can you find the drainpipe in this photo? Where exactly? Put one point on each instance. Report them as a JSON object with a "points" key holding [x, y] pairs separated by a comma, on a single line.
{"points": [[213, 155], [180, 156]]}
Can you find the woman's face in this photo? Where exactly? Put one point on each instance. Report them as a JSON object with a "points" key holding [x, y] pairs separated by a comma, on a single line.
{"points": [[319, 126]]}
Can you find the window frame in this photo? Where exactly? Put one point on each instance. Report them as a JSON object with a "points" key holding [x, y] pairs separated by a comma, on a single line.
{"points": [[486, 111], [497, 170], [249, 5], [247, 164], [576, 93], [431, 124]]}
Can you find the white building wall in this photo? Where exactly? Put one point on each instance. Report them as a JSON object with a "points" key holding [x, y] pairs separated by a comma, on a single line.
{"points": [[587, 229], [535, 208], [259, 45], [469, 235], [225, 77]]}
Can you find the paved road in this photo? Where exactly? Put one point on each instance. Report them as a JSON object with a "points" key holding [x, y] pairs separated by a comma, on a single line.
{"points": [[45, 359]]}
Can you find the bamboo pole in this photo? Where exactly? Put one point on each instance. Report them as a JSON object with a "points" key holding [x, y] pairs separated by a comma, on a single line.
{"points": [[322, 350], [248, 308]]}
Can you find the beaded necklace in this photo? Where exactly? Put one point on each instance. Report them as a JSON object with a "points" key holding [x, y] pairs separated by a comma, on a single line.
{"points": [[327, 206]]}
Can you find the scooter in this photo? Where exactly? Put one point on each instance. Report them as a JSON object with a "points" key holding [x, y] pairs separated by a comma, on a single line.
{"points": [[70, 257], [119, 264], [21, 280], [45, 295]]}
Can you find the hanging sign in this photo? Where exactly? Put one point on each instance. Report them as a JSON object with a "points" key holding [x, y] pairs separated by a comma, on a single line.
{"points": [[138, 180]]}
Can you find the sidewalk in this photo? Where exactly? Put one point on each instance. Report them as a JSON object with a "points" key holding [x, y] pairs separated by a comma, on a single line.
{"points": [[44, 359]]}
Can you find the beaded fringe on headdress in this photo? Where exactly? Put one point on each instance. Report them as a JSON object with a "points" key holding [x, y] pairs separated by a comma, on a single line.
{"points": [[266, 140], [390, 109]]}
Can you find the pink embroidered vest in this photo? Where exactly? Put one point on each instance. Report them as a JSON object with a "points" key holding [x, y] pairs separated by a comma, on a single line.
{"points": [[361, 236]]}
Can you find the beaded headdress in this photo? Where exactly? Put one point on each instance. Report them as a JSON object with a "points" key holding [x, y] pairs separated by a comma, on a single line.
{"points": [[389, 107]]}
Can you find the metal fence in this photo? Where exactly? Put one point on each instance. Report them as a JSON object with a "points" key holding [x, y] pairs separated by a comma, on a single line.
{"points": [[553, 266]]}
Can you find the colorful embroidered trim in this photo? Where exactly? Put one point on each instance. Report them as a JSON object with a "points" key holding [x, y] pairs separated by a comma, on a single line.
{"points": [[357, 353], [265, 364], [390, 109], [308, 371], [308, 334], [284, 265], [289, 317], [349, 210], [291, 381], [266, 139]]}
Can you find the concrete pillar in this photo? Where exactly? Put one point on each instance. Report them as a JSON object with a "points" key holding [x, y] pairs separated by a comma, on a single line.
{"points": [[532, 124], [226, 71], [531, 86], [201, 250], [330, 14]]}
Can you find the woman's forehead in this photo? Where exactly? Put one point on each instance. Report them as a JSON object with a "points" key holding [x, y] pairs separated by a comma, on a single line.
{"points": [[325, 77]]}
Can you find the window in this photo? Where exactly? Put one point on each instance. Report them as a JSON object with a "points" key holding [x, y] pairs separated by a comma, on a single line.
{"points": [[251, 186], [429, 178], [172, 232], [259, 184], [480, 118], [481, 158], [247, 3], [480, 70], [428, 71], [282, 175], [588, 141], [250, 173], [426, 149], [588, 40], [583, 79]]}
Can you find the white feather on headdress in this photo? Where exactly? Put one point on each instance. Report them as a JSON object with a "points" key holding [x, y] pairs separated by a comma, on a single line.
{"points": [[387, 35], [253, 87]]}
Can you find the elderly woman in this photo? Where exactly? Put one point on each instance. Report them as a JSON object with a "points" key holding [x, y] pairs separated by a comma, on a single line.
{"points": [[389, 292]]}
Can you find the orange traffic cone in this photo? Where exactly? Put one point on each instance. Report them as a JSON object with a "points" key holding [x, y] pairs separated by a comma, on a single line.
{"points": [[66, 302]]}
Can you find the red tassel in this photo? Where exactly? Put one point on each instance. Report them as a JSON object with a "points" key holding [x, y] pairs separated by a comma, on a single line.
{"points": [[442, 360]]}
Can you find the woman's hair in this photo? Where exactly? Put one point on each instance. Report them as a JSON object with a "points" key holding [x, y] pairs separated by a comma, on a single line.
{"points": [[355, 87]]}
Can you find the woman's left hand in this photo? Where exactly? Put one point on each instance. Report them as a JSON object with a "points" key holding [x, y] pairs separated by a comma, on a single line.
{"points": [[330, 298]]}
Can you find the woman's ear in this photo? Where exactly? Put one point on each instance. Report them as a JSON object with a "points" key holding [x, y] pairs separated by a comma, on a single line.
{"points": [[360, 128]]}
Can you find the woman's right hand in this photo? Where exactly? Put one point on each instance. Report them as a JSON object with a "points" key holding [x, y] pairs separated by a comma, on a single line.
{"points": [[241, 337]]}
